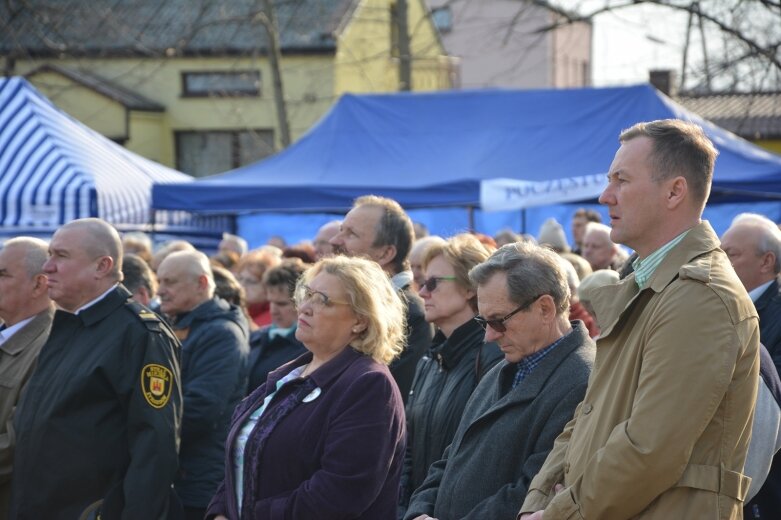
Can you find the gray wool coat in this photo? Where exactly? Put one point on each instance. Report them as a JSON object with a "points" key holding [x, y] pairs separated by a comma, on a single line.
{"points": [[504, 437]]}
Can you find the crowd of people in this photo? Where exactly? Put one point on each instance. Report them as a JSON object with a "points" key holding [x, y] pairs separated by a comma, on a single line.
{"points": [[377, 372]]}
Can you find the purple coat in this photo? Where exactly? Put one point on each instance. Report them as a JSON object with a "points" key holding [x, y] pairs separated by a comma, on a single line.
{"points": [[337, 456]]}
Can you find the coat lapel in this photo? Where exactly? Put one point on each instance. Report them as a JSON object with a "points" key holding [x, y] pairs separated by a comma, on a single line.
{"points": [[612, 301], [28, 333], [766, 296], [531, 387]]}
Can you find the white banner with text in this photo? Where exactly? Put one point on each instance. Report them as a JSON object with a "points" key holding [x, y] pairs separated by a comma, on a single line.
{"points": [[509, 194]]}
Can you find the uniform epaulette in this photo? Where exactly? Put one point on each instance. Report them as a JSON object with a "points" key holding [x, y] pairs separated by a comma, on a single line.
{"points": [[150, 319]]}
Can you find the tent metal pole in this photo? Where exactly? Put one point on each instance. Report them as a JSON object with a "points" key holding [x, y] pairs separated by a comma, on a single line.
{"points": [[523, 220], [471, 213], [152, 219]]}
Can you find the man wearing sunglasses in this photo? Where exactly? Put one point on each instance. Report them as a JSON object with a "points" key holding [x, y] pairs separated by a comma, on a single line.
{"points": [[665, 424], [522, 404]]}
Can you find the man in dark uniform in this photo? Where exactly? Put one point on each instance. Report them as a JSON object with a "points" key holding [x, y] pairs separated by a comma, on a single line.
{"points": [[98, 425]]}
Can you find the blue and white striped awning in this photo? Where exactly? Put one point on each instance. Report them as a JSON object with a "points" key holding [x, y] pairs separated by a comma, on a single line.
{"points": [[54, 169]]}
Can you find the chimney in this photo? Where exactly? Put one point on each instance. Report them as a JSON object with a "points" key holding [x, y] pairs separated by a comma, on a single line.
{"points": [[664, 81]]}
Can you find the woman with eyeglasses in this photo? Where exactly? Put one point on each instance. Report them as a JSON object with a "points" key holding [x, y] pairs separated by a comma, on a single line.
{"points": [[455, 362], [323, 437]]}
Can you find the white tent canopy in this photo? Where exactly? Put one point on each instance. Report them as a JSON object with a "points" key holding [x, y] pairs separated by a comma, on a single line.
{"points": [[54, 169]]}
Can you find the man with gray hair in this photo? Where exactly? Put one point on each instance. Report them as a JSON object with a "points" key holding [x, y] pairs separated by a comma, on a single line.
{"points": [[215, 346], [97, 426], [233, 244], [26, 312], [753, 245], [522, 404], [599, 250]]}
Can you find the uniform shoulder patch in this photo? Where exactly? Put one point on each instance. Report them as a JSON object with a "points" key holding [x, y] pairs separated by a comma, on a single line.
{"points": [[157, 382], [151, 320], [148, 315]]}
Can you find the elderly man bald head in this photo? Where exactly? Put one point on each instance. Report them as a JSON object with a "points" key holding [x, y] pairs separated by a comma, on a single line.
{"points": [[85, 261], [215, 346], [23, 290], [753, 245], [599, 250], [186, 281], [104, 394], [27, 313]]}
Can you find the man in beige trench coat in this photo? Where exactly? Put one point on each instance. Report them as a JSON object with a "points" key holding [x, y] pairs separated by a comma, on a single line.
{"points": [[665, 424]]}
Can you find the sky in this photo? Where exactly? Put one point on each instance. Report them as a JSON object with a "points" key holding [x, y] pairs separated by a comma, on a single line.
{"points": [[628, 45], [629, 42]]}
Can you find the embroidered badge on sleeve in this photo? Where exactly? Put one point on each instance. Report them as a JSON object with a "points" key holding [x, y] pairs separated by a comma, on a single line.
{"points": [[156, 383]]}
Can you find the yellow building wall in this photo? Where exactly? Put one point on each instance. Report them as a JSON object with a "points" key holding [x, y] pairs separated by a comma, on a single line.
{"points": [[308, 83], [151, 137], [774, 145], [364, 58], [94, 110], [362, 63]]}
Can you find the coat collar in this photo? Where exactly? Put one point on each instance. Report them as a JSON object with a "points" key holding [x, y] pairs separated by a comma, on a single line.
{"points": [[19, 341], [100, 310], [203, 311], [535, 382], [766, 297], [449, 351], [324, 375], [611, 301]]}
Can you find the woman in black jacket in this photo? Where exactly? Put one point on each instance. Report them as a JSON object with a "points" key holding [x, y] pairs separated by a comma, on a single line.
{"points": [[458, 358]]}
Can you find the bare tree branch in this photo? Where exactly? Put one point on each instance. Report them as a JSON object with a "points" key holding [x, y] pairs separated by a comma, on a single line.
{"points": [[737, 22]]}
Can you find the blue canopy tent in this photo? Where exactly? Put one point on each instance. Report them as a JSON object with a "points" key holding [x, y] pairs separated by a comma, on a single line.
{"points": [[54, 169], [495, 150]]}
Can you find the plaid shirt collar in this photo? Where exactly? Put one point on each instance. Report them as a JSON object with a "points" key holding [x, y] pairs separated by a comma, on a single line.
{"points": [[527, 365], [645, 267]]}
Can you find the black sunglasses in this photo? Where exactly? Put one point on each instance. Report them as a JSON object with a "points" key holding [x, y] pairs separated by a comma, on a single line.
{"points": [[498, 324], [432, 282]]}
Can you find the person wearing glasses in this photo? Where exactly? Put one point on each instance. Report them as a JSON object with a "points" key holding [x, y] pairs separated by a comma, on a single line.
{"points": [[521, 405], [456, 361], [324, 436]]}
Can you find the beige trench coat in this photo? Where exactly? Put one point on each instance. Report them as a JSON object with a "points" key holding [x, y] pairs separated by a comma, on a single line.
{"points": [[663, 430]]}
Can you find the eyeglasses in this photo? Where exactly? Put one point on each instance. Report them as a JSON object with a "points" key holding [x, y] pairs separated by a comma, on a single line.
{"points": [[498, 324], [432, 282], [317, 299]]}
